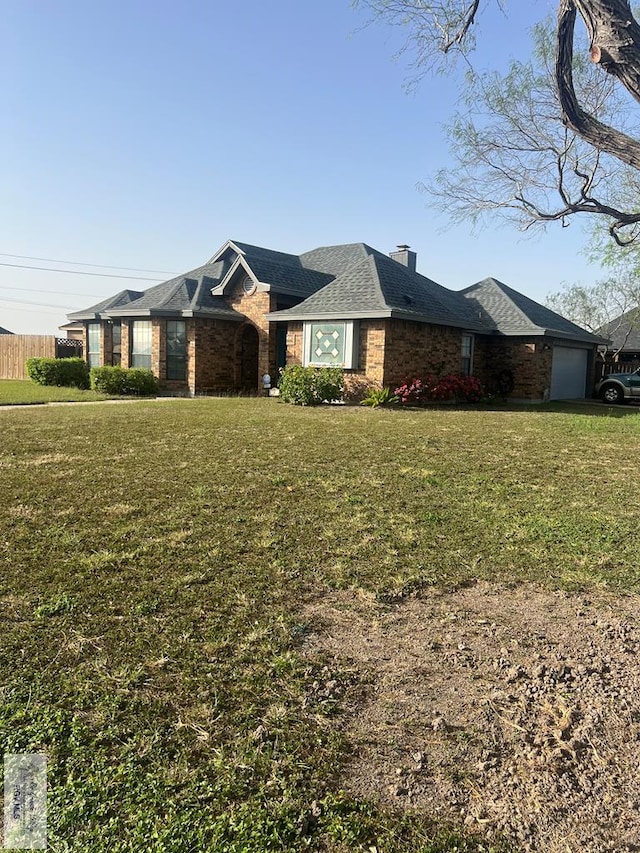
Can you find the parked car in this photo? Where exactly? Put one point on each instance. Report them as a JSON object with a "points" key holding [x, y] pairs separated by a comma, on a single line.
{"points": [[619, 387]]}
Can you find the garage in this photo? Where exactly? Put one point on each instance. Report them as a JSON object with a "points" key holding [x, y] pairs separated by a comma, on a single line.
{"points": [[568, 373]]}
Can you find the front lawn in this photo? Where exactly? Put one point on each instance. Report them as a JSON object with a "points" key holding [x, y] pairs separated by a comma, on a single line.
{"points": [[23, 392], [155, 559]]}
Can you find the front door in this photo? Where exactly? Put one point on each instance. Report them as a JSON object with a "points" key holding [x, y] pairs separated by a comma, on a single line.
{"points": [[249, 358], [281, 351]]}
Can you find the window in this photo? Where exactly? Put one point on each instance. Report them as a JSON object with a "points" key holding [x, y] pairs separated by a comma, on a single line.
{"points": [[141, 344], [331, 344], [176, 349], [467, 354], [116, 340], [93, 349]]}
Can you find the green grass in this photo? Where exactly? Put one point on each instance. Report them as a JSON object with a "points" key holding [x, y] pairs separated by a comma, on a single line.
{"points": [[23, 392], [154, 558]]}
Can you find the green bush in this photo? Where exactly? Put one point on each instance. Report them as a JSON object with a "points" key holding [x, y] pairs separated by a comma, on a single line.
{"points": [[310, 386], [124, 381], [62, 372]]}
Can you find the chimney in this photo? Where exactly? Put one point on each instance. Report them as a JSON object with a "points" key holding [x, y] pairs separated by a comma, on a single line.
{"points": [[405, 257]]}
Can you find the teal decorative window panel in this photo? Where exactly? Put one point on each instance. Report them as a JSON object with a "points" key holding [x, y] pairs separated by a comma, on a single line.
{"points": [[330, 344], [327, 343]]}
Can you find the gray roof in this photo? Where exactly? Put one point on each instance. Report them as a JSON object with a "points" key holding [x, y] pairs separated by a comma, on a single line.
{"points": [[342, 282], [259, 253], [124, 297], [336, 259], [187, 295], [4, 331], [624, 331], [288, 278], [512, 313], [378, 286]]}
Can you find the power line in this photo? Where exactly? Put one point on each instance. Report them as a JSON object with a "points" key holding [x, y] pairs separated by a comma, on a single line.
{"points": [[43, 290], [62, 308], [80, 272], [82, 264]]}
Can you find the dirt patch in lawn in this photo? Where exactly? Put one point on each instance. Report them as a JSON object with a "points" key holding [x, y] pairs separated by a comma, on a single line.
{"points": [[513, 711]]}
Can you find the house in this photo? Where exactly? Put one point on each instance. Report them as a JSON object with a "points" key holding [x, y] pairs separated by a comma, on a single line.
{"points": [[5, 331], [624, 335], [73, 331], [248, 311]]}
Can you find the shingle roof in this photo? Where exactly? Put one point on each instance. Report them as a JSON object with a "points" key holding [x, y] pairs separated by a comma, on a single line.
{"points": [[624, 331], [124, 297], [336, 259], [378, 286], [512, 313], [259, 253], [288, 278], [4, 331], [185, 295]]}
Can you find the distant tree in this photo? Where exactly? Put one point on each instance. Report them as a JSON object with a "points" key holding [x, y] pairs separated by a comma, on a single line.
{"points": [[559, 116], [610, 308]]}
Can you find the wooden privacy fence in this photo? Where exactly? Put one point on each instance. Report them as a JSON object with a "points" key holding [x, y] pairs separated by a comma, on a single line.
{"points": [[16, 349], [609, 366]]}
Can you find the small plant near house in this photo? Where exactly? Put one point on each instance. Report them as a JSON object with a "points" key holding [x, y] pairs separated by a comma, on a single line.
{"points": [[61, 372], [379, 397], [310, 386], [135, 381], [432, 389]]}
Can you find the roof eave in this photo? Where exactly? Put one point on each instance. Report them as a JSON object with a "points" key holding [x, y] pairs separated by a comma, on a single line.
{"points": [[289, 314]]}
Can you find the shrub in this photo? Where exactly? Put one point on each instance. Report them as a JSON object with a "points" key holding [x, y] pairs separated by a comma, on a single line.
{"points": [[379, 397], [124, 381], [63, 372], [310, 386], [419, 392]]}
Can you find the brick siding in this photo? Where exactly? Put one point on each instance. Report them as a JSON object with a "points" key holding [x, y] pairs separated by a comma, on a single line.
{"points": [[418, 349]]}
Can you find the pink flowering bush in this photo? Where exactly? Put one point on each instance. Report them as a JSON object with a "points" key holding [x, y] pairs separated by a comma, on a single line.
{"points": [[438, 389]]}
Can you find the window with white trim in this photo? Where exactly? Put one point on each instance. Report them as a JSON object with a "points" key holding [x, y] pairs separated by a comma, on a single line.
{"points": [[141, 344], [93, 344], [330, 344], [467, 355]]}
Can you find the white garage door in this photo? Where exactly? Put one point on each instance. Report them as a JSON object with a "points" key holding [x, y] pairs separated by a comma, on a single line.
{"points": [[568, 373]]}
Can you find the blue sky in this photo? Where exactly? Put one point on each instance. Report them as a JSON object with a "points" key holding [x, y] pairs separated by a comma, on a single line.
{"points": [[145, 133]]}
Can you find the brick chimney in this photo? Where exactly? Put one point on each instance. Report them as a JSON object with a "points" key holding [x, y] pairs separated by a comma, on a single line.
{"points": [[403, 256]]}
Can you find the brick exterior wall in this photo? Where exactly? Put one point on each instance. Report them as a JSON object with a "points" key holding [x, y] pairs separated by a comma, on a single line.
{"points": [[294, 342], [389, 351], [529, 359], [126, 344], [255, 307], [418, 349], [211, 355]]}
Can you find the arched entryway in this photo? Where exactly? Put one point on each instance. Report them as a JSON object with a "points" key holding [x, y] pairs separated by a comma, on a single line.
{"points": [[248, 348]]}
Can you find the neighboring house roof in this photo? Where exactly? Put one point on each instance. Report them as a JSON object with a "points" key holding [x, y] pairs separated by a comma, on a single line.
{"points": [[624, 331], [378, 286], [4, 331], [512, 313]]}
